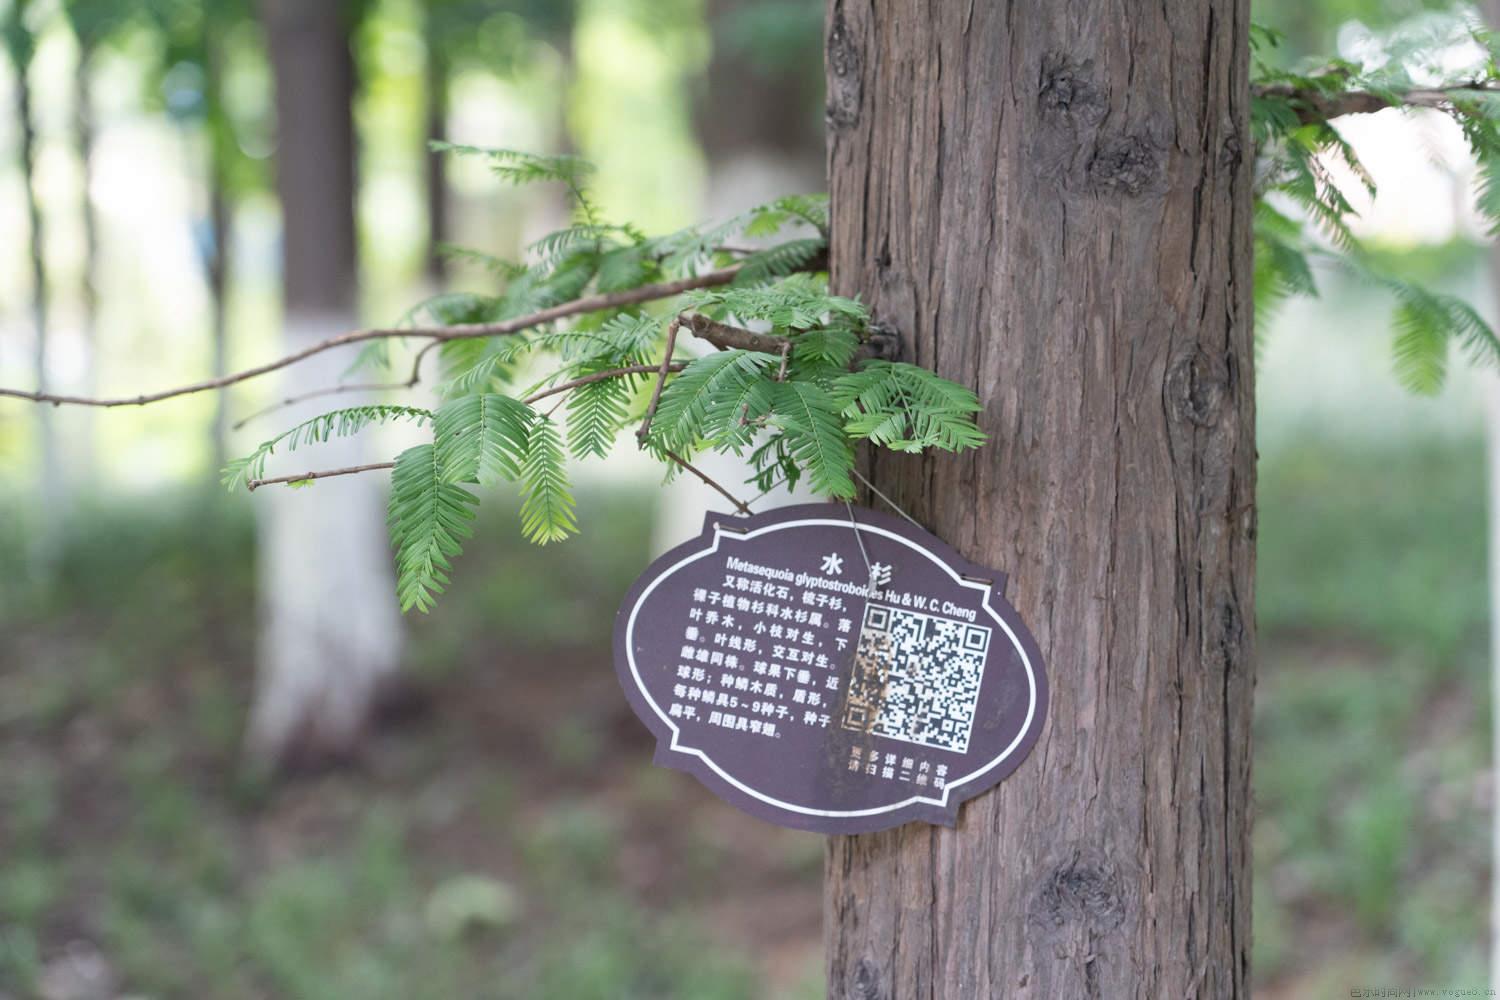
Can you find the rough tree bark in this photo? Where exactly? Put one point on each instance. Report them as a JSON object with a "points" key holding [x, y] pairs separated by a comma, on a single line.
{"points": [[1052, 203], [330, 628]]}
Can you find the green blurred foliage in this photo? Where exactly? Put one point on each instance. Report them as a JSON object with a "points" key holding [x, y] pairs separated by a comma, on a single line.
{"points": [[1311, 29], [1369, 737]]}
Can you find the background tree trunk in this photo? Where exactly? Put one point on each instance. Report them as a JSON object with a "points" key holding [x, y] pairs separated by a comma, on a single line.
{"points": [[50, 498], [331, 631], [435, 177], [1491, 10], [83, 451], [220, 220], [1052, 203], [757, 128]]}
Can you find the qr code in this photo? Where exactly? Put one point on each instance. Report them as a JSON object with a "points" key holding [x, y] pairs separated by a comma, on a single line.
{"points": [[916, 678]]}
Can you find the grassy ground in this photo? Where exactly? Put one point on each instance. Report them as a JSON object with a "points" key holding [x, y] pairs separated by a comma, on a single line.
{"points": [[1372, 776], [504, 834]]}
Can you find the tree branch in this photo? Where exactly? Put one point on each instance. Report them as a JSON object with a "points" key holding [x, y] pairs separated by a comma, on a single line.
{"points": [[593, 303], [334, 390], [661, 380], [600, 377], [256, 484], [726, 337], [1312, 105], [740, 506]]}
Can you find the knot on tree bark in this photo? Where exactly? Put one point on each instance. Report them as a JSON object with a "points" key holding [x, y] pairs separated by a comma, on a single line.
{"points": [[864, 984], [1067, 90], [1196, 388], [1131, 164], [1232, 149], [883, 342], [1083, 891]]}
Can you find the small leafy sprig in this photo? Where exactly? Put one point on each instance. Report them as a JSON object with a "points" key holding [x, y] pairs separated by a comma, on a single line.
{"points": [[586, 338], [1303, 214]]}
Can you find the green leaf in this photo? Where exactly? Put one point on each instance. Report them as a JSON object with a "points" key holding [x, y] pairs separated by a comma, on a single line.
{"points": [[596, 412], [623, 340], [480, 364], [833, 346], [482, 438], [810, 209], [428, 519], [626, 267], [778, 261], [907, 408], [815, 436], [324, 427], [453, 309], [1420, 348], [798, 302], [547, 512], [708, 385], [517, 167]]}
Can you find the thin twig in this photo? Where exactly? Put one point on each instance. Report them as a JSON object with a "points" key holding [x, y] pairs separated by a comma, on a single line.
{"points": [[661, 380], [786, 351], [463, 331], [330, 391], [410, 383], [256, 484], [774, 487], [740, 506], [1318, 106], [598, 377]]}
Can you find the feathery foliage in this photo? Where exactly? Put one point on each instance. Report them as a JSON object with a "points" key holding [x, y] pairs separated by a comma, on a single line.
{"points": [[547, 513], [596, 412], [429, 518], [705, 397], [815, 436], [907, 408], [798, 302], [798, 412], [1303, 211], [324, 427], [482, 439]]}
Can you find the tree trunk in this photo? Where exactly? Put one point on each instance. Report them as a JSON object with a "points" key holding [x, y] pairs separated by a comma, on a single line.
{"points": [[83, 122], [1491, 10], [1051, 202], [757, 126], [219, 220], [759, 147], [436, 176], [331, 631], [46, 542]]}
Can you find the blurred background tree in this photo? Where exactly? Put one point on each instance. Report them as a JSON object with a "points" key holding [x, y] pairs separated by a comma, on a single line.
{"points": [[498, 829]]}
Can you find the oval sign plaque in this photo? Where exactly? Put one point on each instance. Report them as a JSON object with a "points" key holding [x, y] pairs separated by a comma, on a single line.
{"points": [[832, 671]]}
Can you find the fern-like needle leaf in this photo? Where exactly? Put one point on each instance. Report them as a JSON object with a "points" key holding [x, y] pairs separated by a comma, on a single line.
{"points": [[428, 519], [547, 512]]}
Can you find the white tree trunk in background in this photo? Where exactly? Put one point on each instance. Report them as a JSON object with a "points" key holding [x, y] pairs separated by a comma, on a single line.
{"points": [[330, 626]]}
